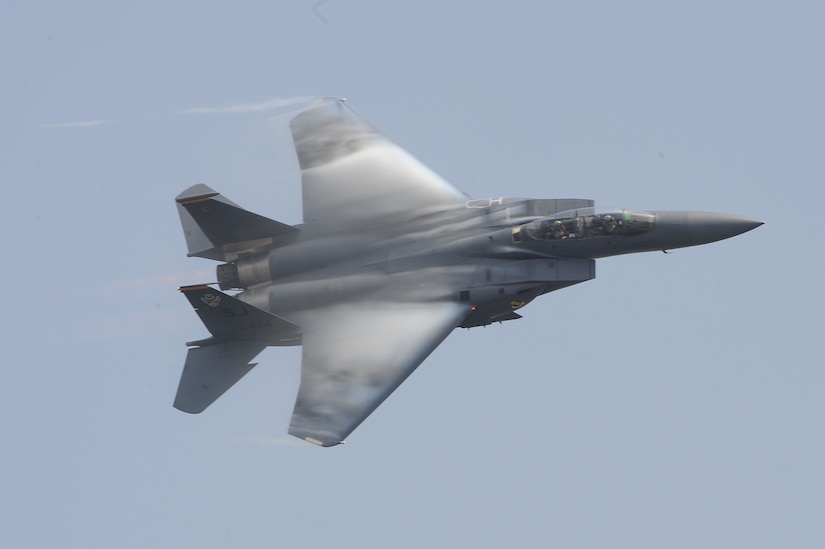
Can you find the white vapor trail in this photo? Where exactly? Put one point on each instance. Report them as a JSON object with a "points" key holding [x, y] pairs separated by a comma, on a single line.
{"points": [[244, 108], [271, 441], [76, 124]]}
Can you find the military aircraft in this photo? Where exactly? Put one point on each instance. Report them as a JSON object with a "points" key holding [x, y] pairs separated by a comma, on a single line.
{"points": [[389, 260]]}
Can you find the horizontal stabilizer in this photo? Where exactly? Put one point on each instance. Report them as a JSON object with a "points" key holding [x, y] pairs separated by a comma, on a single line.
{"points": [[217, 228], [229, 319], [210, 371]]}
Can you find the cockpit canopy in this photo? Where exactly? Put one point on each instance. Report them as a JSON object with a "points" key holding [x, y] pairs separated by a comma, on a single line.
{"points": [[590, 223]]}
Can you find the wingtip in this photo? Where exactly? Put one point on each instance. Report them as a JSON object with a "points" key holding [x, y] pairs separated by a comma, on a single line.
{"points": [[325, 440], [323, 444]]}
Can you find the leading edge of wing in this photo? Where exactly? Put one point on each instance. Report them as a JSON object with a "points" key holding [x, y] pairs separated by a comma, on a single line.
{"points": [[356, 355], [352, 173]]}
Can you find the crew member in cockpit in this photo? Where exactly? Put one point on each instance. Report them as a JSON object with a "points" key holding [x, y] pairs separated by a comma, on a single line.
{"points": [[559, 230], [610, 224]]}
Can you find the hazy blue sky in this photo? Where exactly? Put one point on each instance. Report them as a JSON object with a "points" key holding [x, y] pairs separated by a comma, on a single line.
{"points": [[675, 401]]}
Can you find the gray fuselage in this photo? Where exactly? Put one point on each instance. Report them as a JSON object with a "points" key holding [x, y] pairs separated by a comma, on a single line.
{"points": [[496, 255]]}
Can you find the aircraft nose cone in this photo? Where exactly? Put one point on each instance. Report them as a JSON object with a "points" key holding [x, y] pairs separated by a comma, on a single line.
{"points": [[678, 229], [710, 227]]}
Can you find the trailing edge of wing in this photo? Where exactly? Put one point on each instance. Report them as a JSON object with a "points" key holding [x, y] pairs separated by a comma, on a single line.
{"points": [[217, 228], [356, 355], [354, 174], [210, 371]]}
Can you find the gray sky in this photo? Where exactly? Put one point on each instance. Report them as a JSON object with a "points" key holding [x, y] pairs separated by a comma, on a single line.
{"points": [[675, 401]]}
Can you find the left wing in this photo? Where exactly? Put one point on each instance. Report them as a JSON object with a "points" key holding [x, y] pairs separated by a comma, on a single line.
{"points": [[356, 355], [352, 174]]}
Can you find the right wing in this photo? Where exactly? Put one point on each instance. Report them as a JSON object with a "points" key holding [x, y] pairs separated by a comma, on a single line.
{"points": [[356, 355], [353, 174]]}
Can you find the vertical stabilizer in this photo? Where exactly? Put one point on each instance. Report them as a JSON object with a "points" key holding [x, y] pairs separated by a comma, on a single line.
{"points": [[217, 228]]}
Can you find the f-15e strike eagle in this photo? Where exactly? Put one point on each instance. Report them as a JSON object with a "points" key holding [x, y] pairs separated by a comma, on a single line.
{"points": [[389, 260]]}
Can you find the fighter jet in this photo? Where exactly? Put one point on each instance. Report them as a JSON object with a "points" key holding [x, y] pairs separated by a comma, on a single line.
{"points": [[389, 260]]}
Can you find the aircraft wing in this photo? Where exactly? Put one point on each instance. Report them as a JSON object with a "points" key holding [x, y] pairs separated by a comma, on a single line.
{"points": [[356, 355], [353, 174]]}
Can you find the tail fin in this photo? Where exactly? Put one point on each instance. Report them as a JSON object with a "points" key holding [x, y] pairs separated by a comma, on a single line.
{"points": [[229, 319], [217, 228]]}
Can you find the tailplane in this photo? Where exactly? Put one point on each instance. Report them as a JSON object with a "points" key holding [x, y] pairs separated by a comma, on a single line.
{"points": [[240, 331], [210, 371]]}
